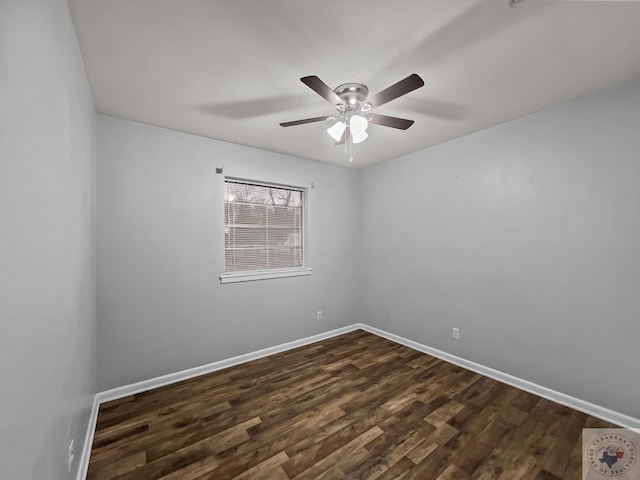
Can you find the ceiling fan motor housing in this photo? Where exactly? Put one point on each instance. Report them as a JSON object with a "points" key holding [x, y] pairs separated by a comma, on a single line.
{"points": [[353, 94]]}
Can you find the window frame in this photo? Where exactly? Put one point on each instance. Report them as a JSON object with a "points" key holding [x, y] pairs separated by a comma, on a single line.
{"points": [[266, 274]]}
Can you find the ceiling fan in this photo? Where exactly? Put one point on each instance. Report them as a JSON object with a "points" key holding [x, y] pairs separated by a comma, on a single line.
{"points": [[354, 105]]}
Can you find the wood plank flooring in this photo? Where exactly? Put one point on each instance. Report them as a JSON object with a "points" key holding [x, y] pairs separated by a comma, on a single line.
{"points": [[351, 407]]}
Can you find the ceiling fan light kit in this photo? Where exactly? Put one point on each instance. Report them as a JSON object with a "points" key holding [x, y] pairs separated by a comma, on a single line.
{"points": [[353, 104], [336, 130], [358, 128]]}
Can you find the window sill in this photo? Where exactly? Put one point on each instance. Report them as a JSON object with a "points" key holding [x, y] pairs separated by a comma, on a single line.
{"points": [[264, 275]]}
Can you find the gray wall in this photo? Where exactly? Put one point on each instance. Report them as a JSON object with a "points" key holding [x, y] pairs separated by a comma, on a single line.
{"points": [[161, 307], [47, 274], [526, 236]]}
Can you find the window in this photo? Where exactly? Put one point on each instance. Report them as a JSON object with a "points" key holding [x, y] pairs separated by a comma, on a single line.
{"points": [[263, 231]]}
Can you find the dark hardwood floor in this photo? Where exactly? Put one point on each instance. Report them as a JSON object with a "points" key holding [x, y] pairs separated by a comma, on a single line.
{"points": [[355, 406]]}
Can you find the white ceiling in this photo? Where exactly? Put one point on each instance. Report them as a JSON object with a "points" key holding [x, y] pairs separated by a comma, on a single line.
{"points": [[230, 69]]}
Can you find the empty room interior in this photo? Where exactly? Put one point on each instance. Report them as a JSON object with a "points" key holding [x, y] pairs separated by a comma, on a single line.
{"points": [[319, 240]]}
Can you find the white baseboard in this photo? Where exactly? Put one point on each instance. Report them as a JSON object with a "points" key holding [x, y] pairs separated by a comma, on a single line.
{"points": [[163, 380], [83, 465], [544, 392]]}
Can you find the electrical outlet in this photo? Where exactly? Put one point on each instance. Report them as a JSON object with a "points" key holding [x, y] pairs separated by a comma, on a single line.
{"points": [[319, 315], [455, 333], [71, 453]]}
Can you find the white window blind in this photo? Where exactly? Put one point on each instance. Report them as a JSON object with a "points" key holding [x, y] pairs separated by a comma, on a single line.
{"points": [[262, 227]]}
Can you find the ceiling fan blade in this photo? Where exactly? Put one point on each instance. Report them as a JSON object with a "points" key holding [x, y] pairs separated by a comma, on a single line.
{"points": [[305, 120], [404, 86], [393, 122], [322, 89]]}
